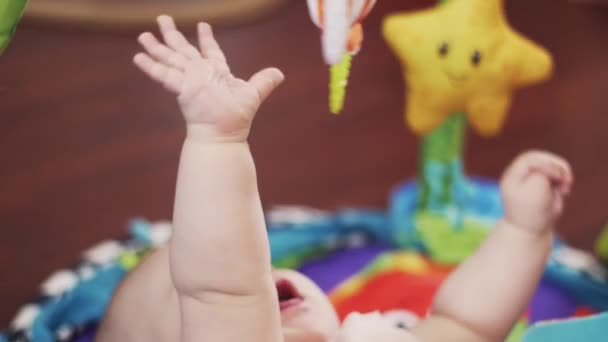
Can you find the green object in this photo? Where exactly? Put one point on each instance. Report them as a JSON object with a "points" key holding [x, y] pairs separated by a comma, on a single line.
{"points": [[601, 245], [129, 260], [10, 14], [338, 80], [440, 175], [443, 186], [517, 334], [443, 243], [297, 258]]}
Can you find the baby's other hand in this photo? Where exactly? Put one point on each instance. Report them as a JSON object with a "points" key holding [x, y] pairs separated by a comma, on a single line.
{"points": [[217, 106], [533, 190]]}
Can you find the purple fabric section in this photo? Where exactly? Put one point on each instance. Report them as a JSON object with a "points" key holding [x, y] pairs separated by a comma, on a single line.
{"points": [[87, 336], [330, 271], [550, 302]]}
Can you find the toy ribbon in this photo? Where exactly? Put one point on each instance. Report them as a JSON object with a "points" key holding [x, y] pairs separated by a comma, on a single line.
{"points": [[341, 38]]}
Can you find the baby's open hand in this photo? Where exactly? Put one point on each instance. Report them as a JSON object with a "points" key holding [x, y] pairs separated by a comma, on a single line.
{"points": [[216, 105], [533, 190]]}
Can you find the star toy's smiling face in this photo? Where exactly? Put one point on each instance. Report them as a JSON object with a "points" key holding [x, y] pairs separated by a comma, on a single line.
{"points": [[462, 56], [457, 69]]}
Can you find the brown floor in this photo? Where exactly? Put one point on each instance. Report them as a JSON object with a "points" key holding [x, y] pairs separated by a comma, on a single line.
{"points": [[86, 142]]}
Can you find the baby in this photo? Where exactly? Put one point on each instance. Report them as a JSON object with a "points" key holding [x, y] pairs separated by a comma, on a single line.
{"points": [[214, 281]]}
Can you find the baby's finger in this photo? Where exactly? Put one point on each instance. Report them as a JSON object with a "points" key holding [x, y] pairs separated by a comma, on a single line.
{"points": [[210, 49], [175, 39], [559, 177], [566, 177], [566, 186], [558, 204], [561, 163], [534, 159], [550, 170], [266, 81], [160, 52], [168, 77]]}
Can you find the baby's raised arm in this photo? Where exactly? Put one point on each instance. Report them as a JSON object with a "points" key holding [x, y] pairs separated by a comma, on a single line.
{"points": [[219, 253], [484, 297]]}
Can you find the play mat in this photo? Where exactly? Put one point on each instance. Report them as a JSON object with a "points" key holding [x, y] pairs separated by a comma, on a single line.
{"points": [[350, 254]]}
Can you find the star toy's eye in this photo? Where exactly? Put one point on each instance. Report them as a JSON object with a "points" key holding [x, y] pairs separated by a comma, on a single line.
{"points": [[444, 48], [476, 58]]}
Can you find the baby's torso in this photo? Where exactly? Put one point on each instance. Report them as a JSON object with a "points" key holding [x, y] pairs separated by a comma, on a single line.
{"points": [[372, 327]]}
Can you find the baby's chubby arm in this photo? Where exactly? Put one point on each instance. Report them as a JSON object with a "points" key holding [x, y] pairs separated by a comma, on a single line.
{"points": [[219, 253], [484, 297]]}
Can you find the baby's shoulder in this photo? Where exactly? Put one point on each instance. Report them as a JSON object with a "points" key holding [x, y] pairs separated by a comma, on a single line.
{"points": [[144, 305]]}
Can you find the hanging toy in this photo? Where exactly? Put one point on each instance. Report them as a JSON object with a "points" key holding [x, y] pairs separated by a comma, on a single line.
{"points": [[10, 14], [342, 36], [338, 80]]}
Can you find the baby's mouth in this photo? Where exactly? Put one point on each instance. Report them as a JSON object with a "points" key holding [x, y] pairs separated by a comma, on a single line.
{"points": [[288, 295]]}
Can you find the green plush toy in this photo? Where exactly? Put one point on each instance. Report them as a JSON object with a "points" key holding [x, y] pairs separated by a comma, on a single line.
{"points": [[10, 14]]}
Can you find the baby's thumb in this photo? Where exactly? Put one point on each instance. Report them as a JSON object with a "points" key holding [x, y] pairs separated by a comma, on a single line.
{"points": [[265, 81]]}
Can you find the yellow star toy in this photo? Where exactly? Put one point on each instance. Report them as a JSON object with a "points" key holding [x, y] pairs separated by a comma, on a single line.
{"points": [[462, 56]]}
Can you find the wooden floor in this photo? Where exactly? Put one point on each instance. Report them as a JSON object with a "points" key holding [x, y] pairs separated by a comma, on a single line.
{"points": [[86, 142]]}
